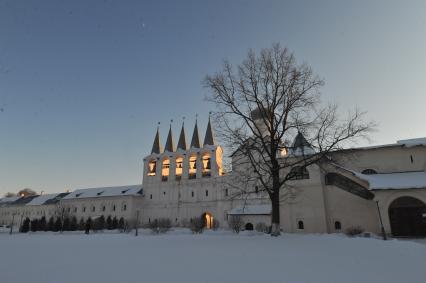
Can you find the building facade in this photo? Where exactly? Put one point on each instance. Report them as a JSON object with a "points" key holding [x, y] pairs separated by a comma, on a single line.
{"points": [[361, 187]]}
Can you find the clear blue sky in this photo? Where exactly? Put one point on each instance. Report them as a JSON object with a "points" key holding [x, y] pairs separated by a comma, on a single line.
{"points": [[83, 83]]}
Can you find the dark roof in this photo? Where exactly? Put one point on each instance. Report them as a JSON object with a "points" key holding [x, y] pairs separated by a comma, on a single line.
{"points": [[195, 142], [300, 141], [182, 139], [156, 148], [209, 138], [56, 199], [25, 200], [169, 143]]}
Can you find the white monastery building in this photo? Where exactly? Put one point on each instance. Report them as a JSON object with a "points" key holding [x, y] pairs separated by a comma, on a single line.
{"points": [[182, 182]]}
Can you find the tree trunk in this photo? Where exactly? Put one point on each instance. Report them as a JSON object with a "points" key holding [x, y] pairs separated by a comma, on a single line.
{"points": [[275, 200]]}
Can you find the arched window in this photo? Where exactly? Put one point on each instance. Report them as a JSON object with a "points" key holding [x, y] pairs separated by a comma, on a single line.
{"points": [[337, 225], [192, 167], [152, 167], [300, 225], [207, 166], [179, 168], [369, 172], [298, 173], [165, 170]]}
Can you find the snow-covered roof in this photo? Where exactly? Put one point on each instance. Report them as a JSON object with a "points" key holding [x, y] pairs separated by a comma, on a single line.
{"points": [[9, 199], [42, 199], [260, 209], [395, 181], [106, 192]]}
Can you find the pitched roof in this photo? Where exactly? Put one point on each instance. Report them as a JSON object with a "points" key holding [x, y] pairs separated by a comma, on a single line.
{"points": [[131, 190], [209, 137], [300, 141], [169, 143], [182, 139], [195, 142], [42, 199], [156, 147], [9, 199]]}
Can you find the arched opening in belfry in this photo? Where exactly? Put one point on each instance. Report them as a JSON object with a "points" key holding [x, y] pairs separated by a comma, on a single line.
{"points": [[179, 168], [192, 167], [407, 216], [207, 166], [165, 169], [152, 167]]}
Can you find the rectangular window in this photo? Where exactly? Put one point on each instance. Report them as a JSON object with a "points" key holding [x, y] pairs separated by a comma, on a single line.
{"points": [[113, 207], [192, 194], [150, 196], [93, 208], [226, 192], [207, 193], [124, 207]]}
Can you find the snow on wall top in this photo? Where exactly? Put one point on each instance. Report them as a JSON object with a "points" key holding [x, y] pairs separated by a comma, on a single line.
{"points": [[395, 181], [411, 142], [106, 192], [42, 199], [261, 209]]}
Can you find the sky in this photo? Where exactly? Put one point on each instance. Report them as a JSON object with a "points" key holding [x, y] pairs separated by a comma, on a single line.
{"points": [[83, 84]]}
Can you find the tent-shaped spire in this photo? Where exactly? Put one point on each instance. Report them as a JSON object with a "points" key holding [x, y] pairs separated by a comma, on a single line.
{"points": [[169, 143], [195, 142], [209, 137], [182, 139], [156, 147], [300, 141]]}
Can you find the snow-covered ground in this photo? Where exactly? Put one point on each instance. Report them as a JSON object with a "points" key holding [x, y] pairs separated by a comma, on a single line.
{"points": [[211, 257]]}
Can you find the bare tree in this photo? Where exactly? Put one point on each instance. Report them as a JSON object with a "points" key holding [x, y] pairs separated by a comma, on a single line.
{"points": [[262, 105], [236, 223]]}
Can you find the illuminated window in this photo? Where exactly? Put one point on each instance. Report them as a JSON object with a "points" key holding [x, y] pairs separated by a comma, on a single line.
{"points": [[165, 170], [179, 168], [193, 167], [152, 167]]}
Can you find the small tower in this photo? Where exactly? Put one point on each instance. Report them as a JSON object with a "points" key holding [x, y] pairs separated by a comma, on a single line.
{"points": [[195, 142], [169, 143], [182, 139], [209, 137], [156, 146]]}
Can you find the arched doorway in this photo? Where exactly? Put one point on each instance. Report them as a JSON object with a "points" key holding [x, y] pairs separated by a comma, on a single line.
{"points": [[407, 217], [208, 220], [249, 227]]}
